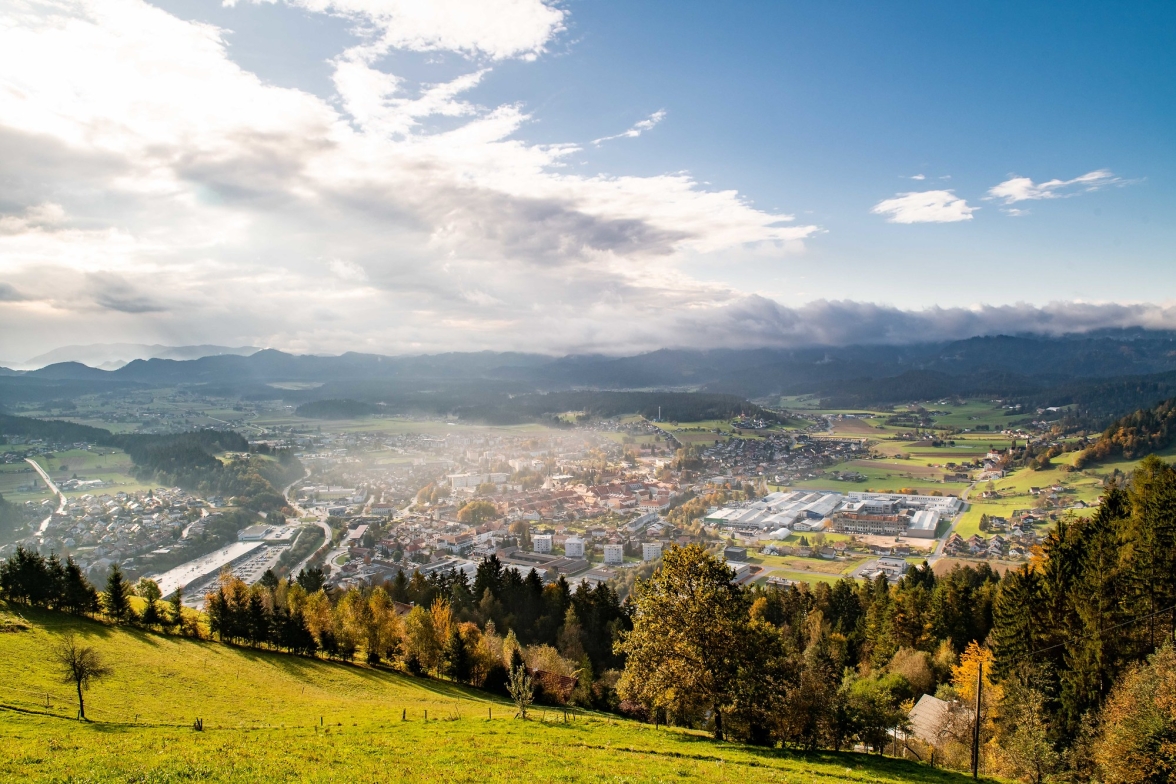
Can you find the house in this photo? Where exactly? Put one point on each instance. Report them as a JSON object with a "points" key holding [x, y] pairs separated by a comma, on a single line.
{"points": [[614, 554], [541, 543], [651, 551], [928, 719]]}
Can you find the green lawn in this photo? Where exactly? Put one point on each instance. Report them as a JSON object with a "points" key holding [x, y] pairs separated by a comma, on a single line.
{"points": [[262, 714]]}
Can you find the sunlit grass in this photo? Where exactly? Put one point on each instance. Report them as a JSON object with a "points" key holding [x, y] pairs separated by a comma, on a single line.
{"points": [[271, 717]]}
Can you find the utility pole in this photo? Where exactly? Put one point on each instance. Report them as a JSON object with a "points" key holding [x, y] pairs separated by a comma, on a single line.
{"points": [[976, 724]]}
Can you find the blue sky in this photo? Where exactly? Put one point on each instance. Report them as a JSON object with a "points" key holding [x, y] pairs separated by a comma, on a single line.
{"points": [[762, 195]]}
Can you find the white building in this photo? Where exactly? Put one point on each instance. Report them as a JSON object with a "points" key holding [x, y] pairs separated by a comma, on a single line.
{"points": [[541, 543], [651, 551], [574, 547], [614, 554]]}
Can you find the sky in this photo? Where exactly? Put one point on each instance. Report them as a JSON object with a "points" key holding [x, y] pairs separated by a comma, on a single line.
{"points": [[405, 177]]}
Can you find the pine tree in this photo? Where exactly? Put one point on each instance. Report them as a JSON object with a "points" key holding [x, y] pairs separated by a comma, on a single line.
{"points": [[1017, 614], [176, 614], [55, 582], [80, 597], [257, 619], [117, 596], [457, 657]]}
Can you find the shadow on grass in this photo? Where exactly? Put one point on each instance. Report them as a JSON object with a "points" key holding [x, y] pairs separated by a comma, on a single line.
{"points": [[902, 770]]}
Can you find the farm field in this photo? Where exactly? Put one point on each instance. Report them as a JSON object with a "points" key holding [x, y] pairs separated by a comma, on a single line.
{"points": [[883, 476], [1014, 491], [14, 476], [112, 466], [805, 565], [391, 425], [262, 714]]}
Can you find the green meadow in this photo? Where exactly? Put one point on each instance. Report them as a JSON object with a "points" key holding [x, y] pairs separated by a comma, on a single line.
{"points": [[272, 717]]}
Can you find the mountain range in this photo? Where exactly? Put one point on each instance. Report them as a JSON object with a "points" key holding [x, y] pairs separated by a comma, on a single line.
{"points": [[111, 356], [1107, 373]]}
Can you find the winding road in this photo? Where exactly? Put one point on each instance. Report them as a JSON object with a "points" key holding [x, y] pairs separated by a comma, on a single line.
{"points": [[56, 490]]}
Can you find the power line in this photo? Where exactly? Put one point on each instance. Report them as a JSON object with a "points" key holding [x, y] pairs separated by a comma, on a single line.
{"points": [[1101, 631]]}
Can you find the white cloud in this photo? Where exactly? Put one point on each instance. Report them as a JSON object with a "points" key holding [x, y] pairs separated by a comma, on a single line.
{"points": [[1016, 189], [37, 216], [919, 177], [188, 197], [924, 207], [497, 29], [637, 129], [347, 270]]}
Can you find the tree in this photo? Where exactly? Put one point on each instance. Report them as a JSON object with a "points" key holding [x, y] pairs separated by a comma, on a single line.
{"points": [[149, 592], [521, 689], [421, 650], [311, 579], [79, 596], [457, 658], [1138, 724], [477, 512], [684, 648], [79, 665], [177, 610], [1024, 748], [269, 580], [964, 680], [117, 596]]}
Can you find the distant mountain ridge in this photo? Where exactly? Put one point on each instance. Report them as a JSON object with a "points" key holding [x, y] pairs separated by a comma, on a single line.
{"points": [[111, 356], [1104, 375]]}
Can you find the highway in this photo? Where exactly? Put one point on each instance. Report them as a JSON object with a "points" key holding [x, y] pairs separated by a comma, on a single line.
{"points": [[60, 507]]}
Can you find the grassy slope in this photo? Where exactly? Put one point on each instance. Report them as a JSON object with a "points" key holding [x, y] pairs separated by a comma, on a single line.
{"points": [[261, 711]]}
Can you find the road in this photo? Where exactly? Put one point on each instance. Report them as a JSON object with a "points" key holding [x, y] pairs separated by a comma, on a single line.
{"points": [[935, 556], [302, 513], [230, 424], [60, 507]]}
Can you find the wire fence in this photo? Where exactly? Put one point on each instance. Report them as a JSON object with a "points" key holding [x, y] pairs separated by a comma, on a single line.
{"points": [[64, 705]]}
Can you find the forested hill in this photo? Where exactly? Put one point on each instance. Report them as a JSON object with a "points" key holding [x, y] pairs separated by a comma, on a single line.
{"points": [[1135, 435], [186, 460]]}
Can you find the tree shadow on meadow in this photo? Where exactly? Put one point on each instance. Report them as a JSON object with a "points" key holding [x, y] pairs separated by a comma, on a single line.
{"points": [[901, 770]]}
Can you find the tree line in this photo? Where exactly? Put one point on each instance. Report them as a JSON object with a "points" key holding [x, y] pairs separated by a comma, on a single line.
{"points": [[423, 625]]}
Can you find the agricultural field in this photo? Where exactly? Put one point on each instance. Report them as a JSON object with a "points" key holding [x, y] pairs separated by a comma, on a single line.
{"points": [[1014, 493], [798, 564], [883, 476], [112, 466], [274, 717], [390, 425], [15, 476]]}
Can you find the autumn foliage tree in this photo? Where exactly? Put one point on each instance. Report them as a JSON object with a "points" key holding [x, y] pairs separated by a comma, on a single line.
{"points": [[687, 642]]}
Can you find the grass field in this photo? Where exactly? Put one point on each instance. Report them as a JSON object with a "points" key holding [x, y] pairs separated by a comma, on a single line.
{"points": [[112, 466], [262, 714], [14, 476]]}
